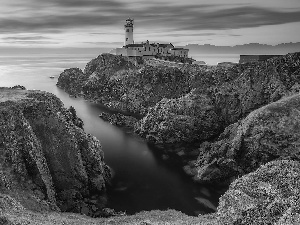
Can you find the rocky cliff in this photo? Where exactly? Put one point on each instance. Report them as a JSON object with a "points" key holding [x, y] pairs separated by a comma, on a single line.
{"points": [[269, 195], [48, 164], [268, 133], [123, 84], [185, 105], [246, 118], [220, 97], [47, 161]]}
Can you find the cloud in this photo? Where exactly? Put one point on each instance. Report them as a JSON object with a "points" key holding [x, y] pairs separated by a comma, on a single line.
{"points": [[24, 38], [243, 17], [155, 19], [75, 14], [103, 43], [32, 42], [179, 34]]}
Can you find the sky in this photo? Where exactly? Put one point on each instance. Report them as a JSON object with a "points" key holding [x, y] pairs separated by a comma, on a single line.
{"points": [[100, 23]]}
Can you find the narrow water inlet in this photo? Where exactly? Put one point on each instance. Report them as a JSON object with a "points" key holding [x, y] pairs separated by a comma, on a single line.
{"points": [[142, 180]]}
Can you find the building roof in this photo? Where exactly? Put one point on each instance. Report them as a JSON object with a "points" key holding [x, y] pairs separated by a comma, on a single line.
{"points": [[165, 45], [134, 45], [179, 49]]}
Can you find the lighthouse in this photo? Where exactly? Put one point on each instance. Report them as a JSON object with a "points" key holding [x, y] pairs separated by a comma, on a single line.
{"points": [[128, 31]]}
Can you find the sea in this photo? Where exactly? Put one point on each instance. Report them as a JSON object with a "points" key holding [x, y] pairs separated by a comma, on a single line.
{"points": [[143, 180], [214, 59]]}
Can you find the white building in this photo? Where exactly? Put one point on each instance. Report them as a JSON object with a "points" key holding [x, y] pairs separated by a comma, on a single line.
{"points": [[128, 27], [147, 50]]}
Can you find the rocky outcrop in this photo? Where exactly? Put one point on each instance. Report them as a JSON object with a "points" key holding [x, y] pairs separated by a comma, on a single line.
{"points": [[108, 64], [269, 133], [269, 195], [229, 93], [224, 95], [123, 85], [46, 158], [71, 80], [119, 120], [186, 119]]}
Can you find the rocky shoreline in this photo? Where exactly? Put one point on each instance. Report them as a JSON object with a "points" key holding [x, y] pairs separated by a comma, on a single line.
{"points": [[183, 105], [237, 125], [36, 126]]}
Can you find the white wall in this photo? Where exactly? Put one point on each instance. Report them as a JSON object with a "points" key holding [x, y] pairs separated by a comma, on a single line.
{"points": [[128, 35], [121, 51]]}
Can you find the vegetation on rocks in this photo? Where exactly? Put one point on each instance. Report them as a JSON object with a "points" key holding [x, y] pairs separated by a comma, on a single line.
{"points": [[47, 161], [187, 119], [269, 195], [121, 84], [268, 133], [230, 93], [244, 117], [189, 103]]}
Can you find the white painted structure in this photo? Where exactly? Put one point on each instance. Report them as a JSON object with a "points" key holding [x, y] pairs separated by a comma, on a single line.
{"points": [[128, 27], [179, 52], [147, 50]]}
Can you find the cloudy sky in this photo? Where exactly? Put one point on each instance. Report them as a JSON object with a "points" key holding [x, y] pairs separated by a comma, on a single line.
{"points": [[99, 23]]}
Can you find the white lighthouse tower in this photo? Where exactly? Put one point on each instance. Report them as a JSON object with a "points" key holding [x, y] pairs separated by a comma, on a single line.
{"points": [[128, 32]]}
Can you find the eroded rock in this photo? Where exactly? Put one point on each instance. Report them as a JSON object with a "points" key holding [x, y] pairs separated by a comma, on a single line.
{"points": [[269, 133], [269, 195], [45, 152]]}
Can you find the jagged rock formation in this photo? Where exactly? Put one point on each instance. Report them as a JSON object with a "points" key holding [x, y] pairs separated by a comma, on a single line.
{"points": [[268, 133], [269, 195], [71, 81], [186, 104], [46, 158], [189, 118], [48, 161], [119, 120], [118, 83], [227, 94]]}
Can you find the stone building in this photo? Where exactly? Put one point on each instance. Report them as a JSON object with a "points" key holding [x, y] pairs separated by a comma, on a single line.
{"points": [[147, 49]]}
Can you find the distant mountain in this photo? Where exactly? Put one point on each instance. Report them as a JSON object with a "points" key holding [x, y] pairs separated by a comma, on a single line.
{"points": [[251, 48]]}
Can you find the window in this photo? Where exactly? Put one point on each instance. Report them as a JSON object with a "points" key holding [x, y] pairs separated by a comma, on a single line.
{"points": [[126, 39], [127, 30]]}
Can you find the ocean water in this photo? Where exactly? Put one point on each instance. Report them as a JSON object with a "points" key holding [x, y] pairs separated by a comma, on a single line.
{"points": [[214, 59], [142, 179]]}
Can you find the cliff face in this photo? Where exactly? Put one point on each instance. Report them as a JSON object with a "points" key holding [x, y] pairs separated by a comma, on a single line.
{"points": [[223, 97], [46, 157], [269, 195], [188, 104], [48, 161], [268, 133], [71, 80], [121, 84], [186, 119]]}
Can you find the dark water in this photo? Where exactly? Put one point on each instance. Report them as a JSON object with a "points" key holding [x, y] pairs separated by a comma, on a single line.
{"points": [[142, 180]]}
